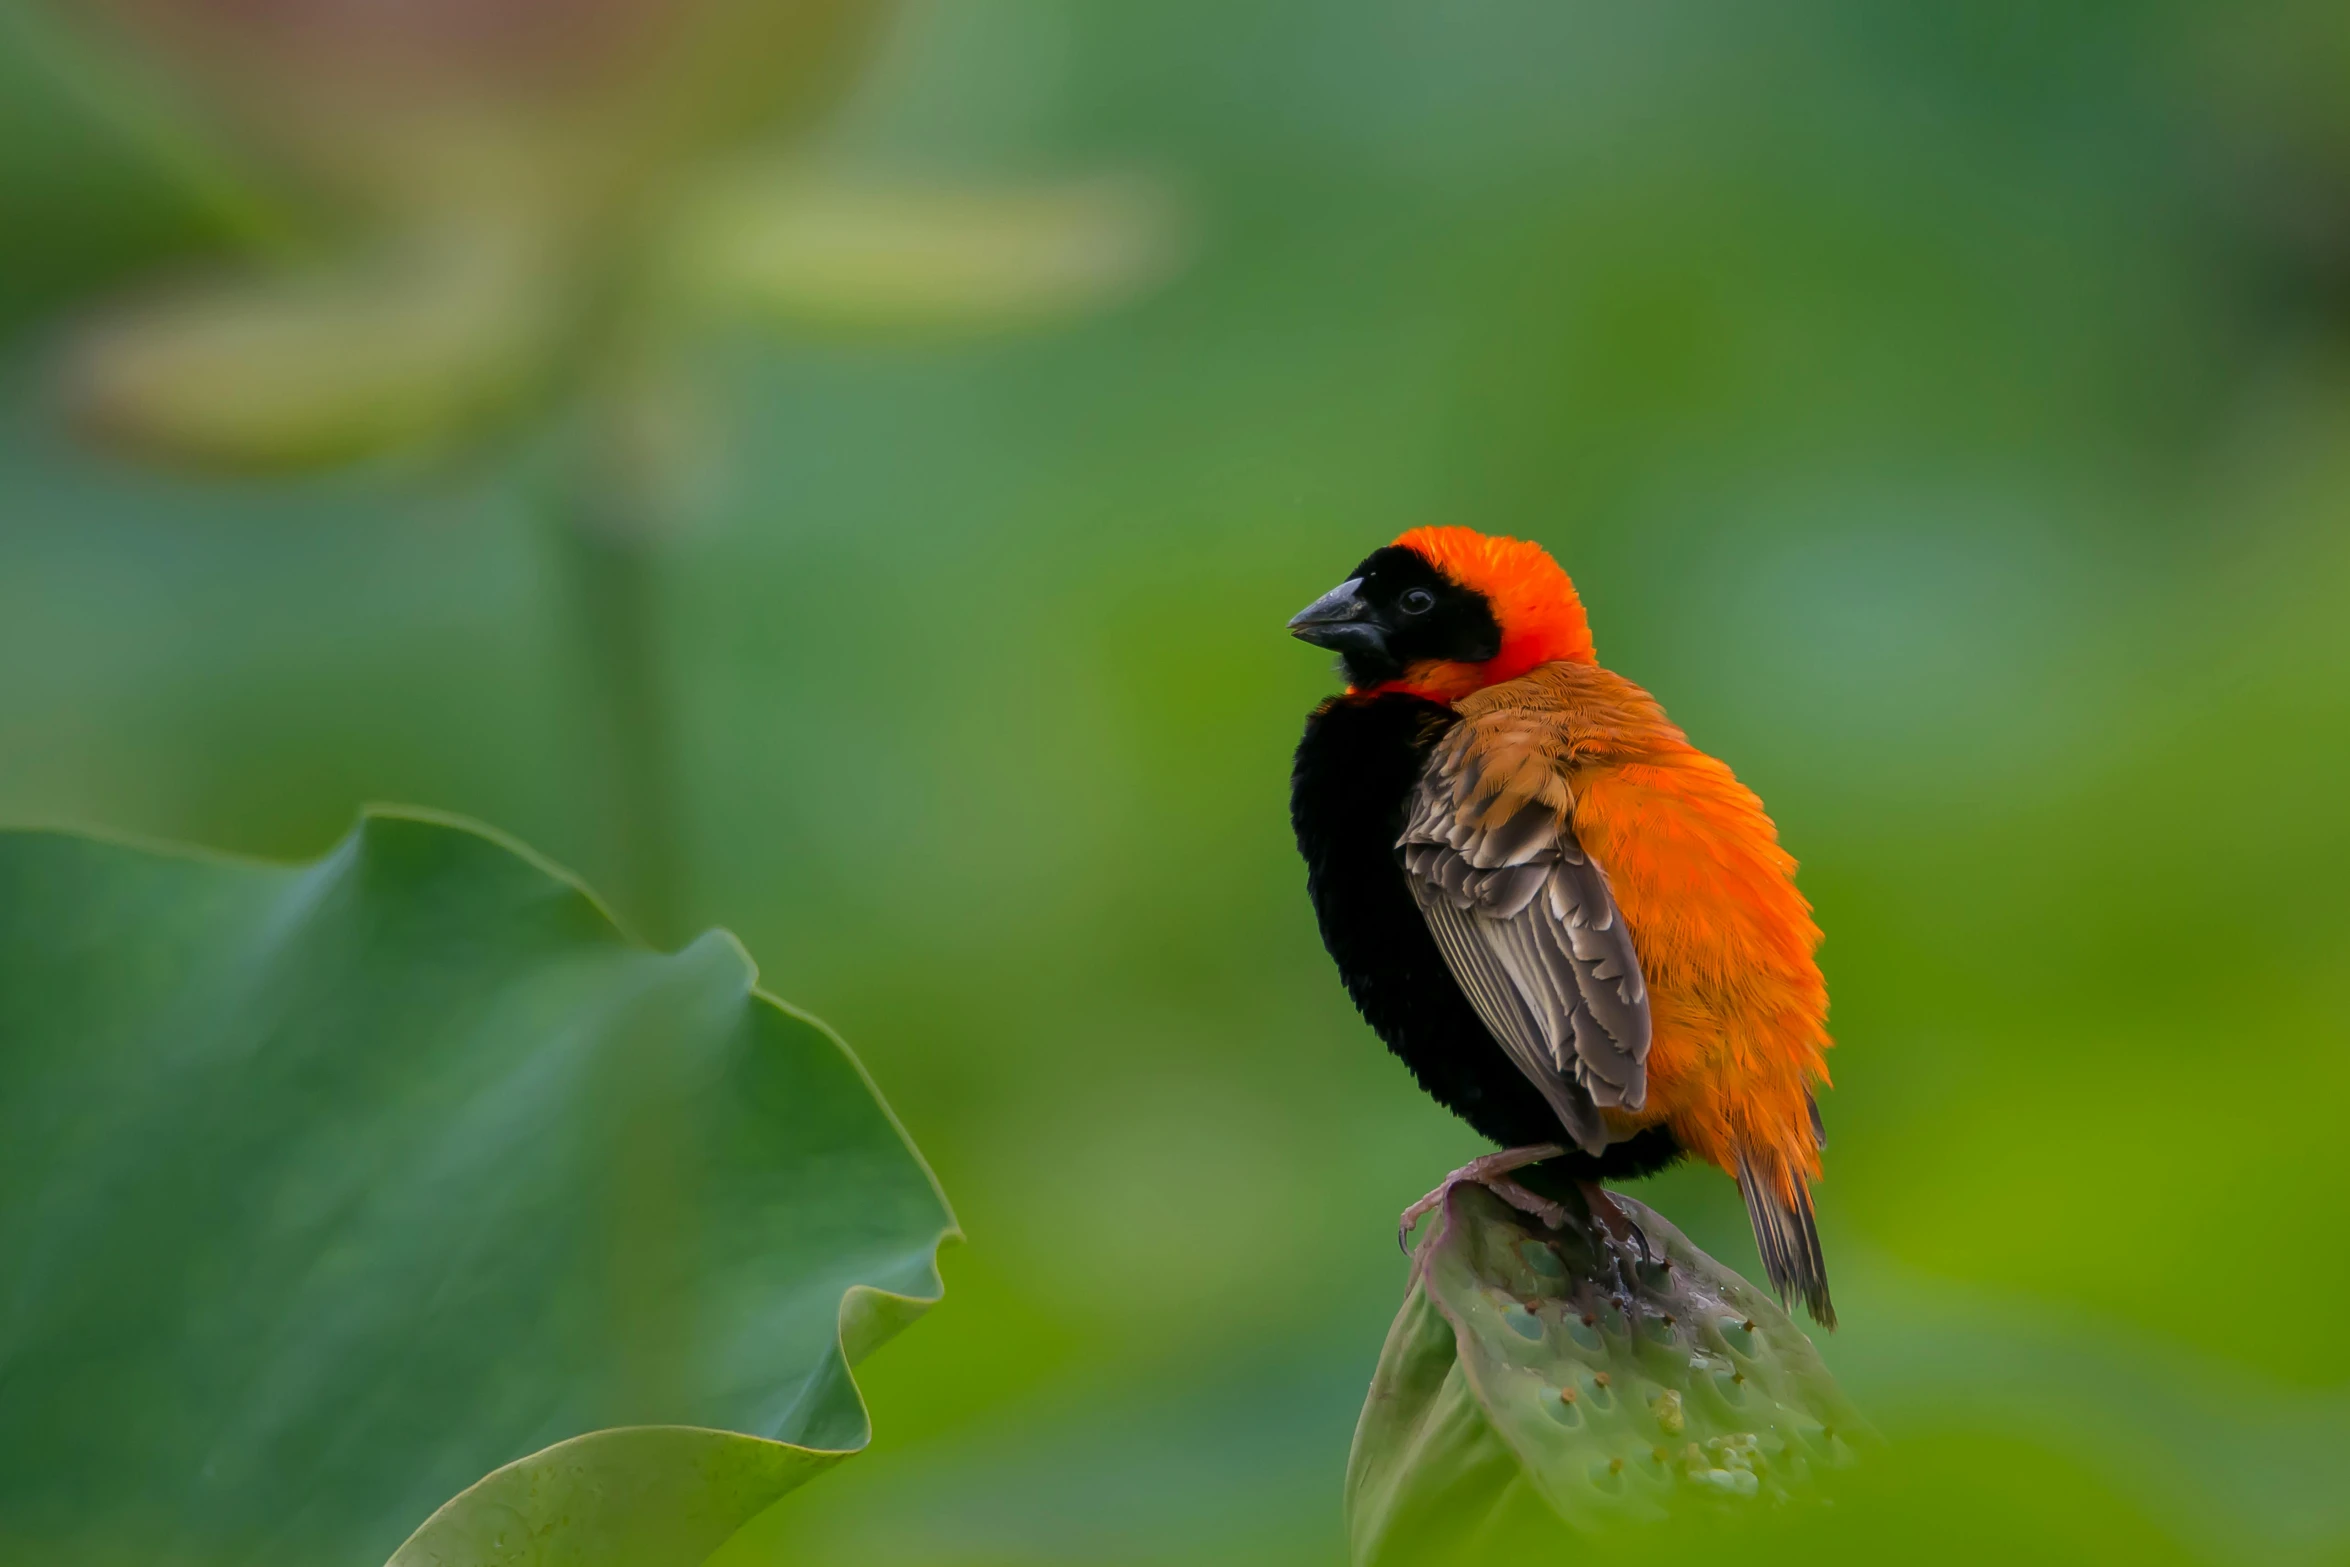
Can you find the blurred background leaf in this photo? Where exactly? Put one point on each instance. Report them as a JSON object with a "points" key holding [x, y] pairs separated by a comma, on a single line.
{"points": [[329, 1188], [1946, 410], [412, 352], [497, 193], [796, 251]]}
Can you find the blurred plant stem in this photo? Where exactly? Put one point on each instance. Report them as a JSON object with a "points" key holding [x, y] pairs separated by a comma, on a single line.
{"points": [[614, 506]]}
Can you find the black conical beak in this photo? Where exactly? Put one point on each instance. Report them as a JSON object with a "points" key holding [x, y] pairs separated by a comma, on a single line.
{"points": [[1341, 620]]}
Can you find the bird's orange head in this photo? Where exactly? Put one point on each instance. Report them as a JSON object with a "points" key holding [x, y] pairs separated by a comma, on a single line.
{"points": [[1443, 612]]}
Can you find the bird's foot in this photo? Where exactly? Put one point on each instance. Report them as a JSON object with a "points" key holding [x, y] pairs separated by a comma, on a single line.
{"points": [[1623, 1236], [1615, 1221], [1493, 1173]]}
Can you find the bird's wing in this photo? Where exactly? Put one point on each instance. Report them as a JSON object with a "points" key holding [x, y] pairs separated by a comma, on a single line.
{"points": [[1528, 927]]}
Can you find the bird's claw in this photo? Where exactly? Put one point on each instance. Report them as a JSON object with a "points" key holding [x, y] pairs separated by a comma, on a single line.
{"points": [[1509, 1191], [1493, 1173], [1413, 1215]]}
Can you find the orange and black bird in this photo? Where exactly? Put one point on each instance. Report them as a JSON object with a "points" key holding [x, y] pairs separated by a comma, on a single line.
{"points": [[1577, 929]]}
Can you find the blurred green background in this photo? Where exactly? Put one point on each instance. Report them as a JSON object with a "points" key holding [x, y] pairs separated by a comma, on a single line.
{"points": [[1944, 409]]}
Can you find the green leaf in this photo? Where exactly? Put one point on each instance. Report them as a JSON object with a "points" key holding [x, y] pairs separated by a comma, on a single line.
{"points": [[643, 1496], [326, 1189], [1539, 1379]]}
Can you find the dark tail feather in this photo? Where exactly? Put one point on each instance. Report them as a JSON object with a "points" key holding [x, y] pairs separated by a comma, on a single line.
{"points": [[1789, 1241]]}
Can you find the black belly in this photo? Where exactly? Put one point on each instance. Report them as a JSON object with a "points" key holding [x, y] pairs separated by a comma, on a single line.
{"points": [[1355, 770]]}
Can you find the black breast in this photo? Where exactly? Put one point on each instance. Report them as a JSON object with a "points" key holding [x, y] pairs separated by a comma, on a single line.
{"points": [[1355, 770]]}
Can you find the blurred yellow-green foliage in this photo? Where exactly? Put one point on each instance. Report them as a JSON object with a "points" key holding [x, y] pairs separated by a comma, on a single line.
{"points": [[1945, 409]]}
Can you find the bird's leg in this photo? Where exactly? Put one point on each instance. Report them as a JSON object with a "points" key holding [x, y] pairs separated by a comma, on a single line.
{"points": [[1493, 1173]]}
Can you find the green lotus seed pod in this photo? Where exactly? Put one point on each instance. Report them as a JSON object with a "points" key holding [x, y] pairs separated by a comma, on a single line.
{"points": [[1559, 1378]]}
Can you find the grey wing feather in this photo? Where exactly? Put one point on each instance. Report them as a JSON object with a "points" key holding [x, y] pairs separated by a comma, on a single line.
{"points": [[1524, 1037], [1529, 928]]}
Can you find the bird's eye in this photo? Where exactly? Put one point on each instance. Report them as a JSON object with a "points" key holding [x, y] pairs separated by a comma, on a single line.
{"points": [[1417, 602]]}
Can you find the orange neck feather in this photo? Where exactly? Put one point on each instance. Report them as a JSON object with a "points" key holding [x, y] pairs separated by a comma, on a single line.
{"points": [[1534, 602]]}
